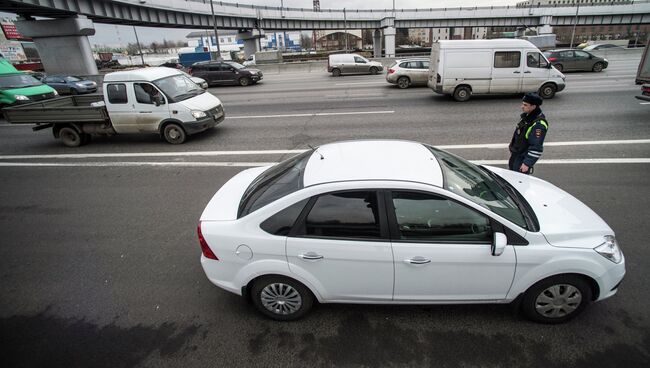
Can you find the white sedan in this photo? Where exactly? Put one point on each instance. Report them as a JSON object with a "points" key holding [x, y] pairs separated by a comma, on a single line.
{"points": [[396, 222]]}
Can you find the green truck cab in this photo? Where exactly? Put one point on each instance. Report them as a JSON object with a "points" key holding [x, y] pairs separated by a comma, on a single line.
{"points": [[17, 87]]}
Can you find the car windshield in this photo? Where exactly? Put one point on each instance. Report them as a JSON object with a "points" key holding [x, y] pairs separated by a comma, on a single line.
{"points": [[18, 81], [235, 65], [72, 79], [274, 183], [479, 186], [178, 87]]}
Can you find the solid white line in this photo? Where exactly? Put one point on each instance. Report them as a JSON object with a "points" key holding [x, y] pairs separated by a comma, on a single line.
{"points": [[257, 164], [345, 96], [306, 115], [281, 152], [644, 103], [355, 83]]}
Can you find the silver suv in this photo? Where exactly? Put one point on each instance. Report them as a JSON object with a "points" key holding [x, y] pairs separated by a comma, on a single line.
{"points": [[408, 72]]}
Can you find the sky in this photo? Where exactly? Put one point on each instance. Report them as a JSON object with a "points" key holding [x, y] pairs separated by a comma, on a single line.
{"points": [[112, 35]]}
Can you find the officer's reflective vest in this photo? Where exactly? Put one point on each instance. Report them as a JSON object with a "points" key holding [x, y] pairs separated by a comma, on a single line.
{"points": [[520, 140]]}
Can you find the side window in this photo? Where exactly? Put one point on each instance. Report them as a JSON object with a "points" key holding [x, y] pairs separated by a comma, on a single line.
{"points": [[424, 65], [117, 93], [145, 93], [536, 60], [215, 68], [507, 59], [405, 65], [352, 214], [281, 222], [359, 60], [581, 55], [427, 217], [566, 54]]}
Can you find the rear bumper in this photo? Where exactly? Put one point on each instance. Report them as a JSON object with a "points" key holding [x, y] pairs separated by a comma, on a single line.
{"points": [[643, 97]]}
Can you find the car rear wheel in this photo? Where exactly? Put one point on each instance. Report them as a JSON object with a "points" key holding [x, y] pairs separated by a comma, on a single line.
{"points": [[373, 70], [336, 72], [598, 67], [559, 67], [281, 298], [548, 90], [556, 299], [70, 137], [244, 81], [462, 93], [403, 82], [174, 133]]}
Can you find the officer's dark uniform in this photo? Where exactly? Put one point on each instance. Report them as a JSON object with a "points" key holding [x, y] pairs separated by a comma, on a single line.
{"points": [[527, 142]]}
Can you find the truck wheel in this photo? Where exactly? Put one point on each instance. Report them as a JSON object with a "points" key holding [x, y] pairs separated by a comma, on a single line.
{"points": [[174, 133], [70, 137], [462, 93], [281, 298], [548, 90], [403, 82], [556, 299], [598, 67], [336, 72], [244, 81], [373, 70]]}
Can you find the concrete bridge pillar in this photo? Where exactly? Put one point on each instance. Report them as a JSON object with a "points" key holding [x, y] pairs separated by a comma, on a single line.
{"points": [[545, 25], [389, 41], [376, 43], [62, 44], [251, 41]]}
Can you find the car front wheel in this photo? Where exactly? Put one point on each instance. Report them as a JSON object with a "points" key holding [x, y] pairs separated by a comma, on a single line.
{"points": [[281, 298], [174, 133], [548, 90], [598, 67], [244, 81], [556, 299]]}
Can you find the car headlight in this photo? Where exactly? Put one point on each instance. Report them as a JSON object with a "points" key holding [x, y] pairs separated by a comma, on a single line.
{"points": [[56, 93], [607, 61], [198, 114], [80, 85], [253, 72], [21, 98], [610, 250]]}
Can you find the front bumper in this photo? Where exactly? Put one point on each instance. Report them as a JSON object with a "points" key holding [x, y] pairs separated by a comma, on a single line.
{"points": [[610, 280], [256, 77], [561, 86], [214, 117]]}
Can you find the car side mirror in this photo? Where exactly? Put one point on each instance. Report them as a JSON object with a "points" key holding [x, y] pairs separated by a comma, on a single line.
{"points": [[499, 243]]}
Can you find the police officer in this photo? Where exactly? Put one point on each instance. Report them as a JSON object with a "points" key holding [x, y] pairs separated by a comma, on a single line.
{"points": [[527, 142]]}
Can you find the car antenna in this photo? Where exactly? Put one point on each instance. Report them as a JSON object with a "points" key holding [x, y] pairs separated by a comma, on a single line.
{"points": [[315, 150]]}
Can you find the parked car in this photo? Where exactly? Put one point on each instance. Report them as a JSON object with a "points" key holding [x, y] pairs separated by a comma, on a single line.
{"points": [[408, 72], [70, 84], [200, 81], [17, 87], [603, 46], [172, 64], [225, 72], [573, 60], [397, 222], [352, 64]]}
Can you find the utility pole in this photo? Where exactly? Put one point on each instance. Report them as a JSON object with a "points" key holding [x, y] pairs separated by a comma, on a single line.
{"points": [[216, 34], [316, 9], [573, 32], [345, 24], [139, 48]]}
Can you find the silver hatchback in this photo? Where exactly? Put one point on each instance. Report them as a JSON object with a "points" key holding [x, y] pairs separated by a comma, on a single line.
{"points": [[409, 72]]}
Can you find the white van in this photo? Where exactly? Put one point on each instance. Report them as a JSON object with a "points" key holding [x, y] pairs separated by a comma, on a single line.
{"points": [[466, 67], [352, 64]]}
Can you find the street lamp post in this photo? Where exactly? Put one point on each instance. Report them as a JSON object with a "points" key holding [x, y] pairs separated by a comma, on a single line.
{"points": [[216, 34], [139, 48], [573, 32], [345, 24]]}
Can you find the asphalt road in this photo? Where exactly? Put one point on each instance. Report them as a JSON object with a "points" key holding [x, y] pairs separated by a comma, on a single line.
{"points": [[99, 262]]}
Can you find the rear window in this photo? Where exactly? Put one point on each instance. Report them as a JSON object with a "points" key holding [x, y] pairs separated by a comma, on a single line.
{"points": [[276, 182]]}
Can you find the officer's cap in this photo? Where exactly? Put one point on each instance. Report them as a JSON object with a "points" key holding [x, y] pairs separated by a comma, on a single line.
{"points": [[533, 99]]}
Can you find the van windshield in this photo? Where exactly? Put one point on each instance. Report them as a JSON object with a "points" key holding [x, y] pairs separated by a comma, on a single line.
{"points": [[18, 81], [178, 87]]}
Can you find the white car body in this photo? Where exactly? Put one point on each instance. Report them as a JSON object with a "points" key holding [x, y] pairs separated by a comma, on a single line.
{"points": [[390, 271]]}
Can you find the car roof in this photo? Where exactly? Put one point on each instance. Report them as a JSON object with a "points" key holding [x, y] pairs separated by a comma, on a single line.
{"points": [[392, 160], [412, 59], [146, 74]]}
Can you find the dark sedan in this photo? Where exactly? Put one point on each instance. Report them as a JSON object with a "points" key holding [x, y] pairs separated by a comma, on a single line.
{"points": [[225, 72], [70, 84], [572, 60]]}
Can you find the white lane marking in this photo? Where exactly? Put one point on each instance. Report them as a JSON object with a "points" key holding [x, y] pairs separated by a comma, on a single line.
{"points": [[257, 164], [315, 114], [355, 83], [281, 152], [644, 103], [345, 96]]}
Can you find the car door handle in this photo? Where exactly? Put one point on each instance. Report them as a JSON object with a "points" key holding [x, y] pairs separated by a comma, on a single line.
{"points": [[310, 256], [516, 72], [527, 72], [418, 260]]}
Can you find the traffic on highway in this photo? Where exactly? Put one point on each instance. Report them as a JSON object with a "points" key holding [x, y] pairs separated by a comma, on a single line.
{"points": [[371, 207]]}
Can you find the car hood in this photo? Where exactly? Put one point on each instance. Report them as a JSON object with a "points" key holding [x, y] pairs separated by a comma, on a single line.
{"points": [[563, 219], [252, 70], [203, 102]]}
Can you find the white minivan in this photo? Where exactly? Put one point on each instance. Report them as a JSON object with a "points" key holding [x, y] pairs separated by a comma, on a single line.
{"points": [[465, 67], [352, 64]]}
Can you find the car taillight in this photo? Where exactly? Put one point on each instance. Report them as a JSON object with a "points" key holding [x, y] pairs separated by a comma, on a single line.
{"points": [[552, 59], [205, 248], [645, 89], [189, 71], [391, 71], [438, 78]]}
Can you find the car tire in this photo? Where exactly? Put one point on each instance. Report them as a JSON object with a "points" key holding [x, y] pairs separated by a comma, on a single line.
{"points": [[556, 299], [73, 91], [373, 70], [174, 133], [70, 137], [559, 67], [462, 93], [336, 72], [403, 82], [598, 67], [281, 298], [547, 91], [244, 81]]}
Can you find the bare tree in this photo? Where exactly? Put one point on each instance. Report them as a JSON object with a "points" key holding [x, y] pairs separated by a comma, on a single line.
{"points": [[306, 42]]}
